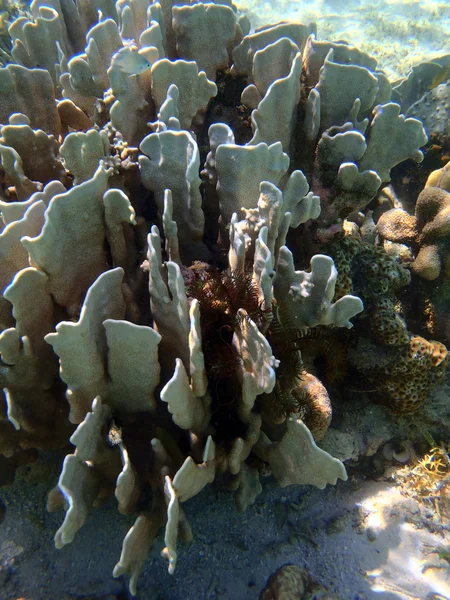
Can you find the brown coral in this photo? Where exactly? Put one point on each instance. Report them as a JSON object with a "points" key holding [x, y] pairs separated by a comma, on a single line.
{"points": [[413, 374], [428, 229], [397, 226], [440, 178], [297, 391], [387, 325], [343, 254], [314, 405], [375, 276], [405, 383], [290, 582], [366, 269], [433, 225]]}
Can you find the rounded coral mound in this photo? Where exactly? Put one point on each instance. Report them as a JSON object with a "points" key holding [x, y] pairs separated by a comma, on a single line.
{"points": [[314, 405], [433, 227], [396, 225], [290, 582], [428, 231], [440, 178], [411, 365]]}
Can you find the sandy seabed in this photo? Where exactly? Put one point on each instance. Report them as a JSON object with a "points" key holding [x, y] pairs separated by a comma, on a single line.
{"points": [[399, 33], [362, 538]]}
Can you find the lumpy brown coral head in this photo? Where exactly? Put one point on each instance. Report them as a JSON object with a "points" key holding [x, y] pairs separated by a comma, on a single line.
{"points": [[171, 313]]}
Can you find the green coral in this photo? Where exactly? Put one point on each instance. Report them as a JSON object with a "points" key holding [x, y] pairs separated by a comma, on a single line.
{"points": [[372, 274]]}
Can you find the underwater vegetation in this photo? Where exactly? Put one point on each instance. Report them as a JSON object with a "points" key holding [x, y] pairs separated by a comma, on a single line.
{"points": [[426, 478], [202, 249]]}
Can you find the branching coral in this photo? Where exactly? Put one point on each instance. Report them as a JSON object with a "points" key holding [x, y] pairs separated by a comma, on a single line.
{"points": [[181, 310]]}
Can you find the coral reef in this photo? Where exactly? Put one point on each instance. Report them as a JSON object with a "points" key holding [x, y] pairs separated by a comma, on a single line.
{"points": [[177, 195], [375, 276], [290, 582], [421, 241], [406, 380], [412, 365], [427, 230]]}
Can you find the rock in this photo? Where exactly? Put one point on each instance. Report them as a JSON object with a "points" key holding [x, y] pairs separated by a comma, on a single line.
{"points": [[290, 582]]}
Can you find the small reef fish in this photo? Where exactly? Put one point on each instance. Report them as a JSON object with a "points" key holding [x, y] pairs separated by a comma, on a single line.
{"points": [[130, 61], [442, 76]]}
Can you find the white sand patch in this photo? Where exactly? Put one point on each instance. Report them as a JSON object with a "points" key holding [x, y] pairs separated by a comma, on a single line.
{"points": [[399, 33], [412, 566]]}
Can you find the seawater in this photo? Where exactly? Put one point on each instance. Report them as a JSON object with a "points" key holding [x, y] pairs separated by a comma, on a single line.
{"points": [[399, 33]]}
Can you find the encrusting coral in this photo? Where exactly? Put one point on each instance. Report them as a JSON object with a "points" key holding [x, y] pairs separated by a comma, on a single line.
{"points": [[404, 379], [375, 276], [408, 380], [168, 285], [414, 365]]}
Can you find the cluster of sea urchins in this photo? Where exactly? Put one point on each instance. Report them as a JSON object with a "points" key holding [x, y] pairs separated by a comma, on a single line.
{"points": [[221, 293]]}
